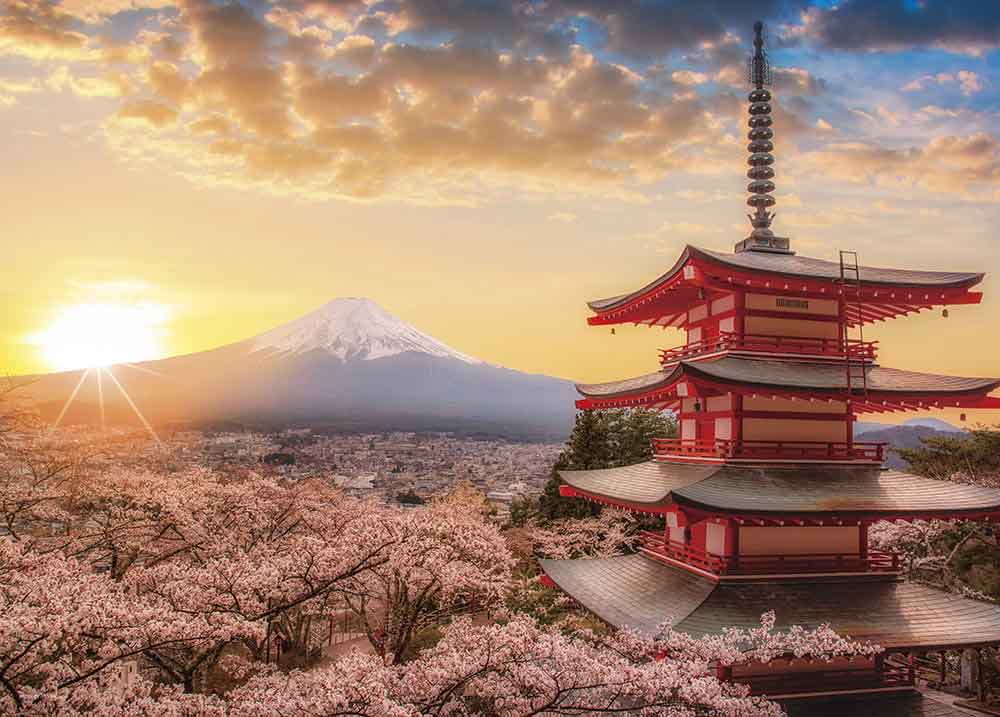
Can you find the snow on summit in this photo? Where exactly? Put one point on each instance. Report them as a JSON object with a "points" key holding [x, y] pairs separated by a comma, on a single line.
{"points": [[353, 329]]}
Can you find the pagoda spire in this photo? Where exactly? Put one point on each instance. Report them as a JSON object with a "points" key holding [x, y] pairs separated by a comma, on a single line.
{"points": [[761, 173]]}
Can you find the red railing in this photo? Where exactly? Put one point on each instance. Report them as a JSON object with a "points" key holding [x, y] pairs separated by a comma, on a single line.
{"points": [[799, 346], [768, 450], [657, 545], [834, 680]]}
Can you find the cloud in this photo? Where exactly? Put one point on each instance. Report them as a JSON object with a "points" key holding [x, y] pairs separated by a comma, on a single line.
{"points": [[438, 102], [969, 82], [688, 78], [563, 217], [39, 31], [111, 84], [156, 114], [20, 86], [967, 27], [948, 163]]}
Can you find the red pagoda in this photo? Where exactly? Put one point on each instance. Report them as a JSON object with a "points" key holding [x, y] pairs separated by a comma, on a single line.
{"points": [[766, 497]]}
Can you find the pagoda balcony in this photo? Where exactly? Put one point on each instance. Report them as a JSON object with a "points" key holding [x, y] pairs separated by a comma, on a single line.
{"points": [[888, 676], [655, 545], [721, 449], [853, 350]]}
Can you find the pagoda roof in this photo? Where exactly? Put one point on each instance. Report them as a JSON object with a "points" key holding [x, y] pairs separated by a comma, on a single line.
{"points": [[897, 291], [782, 490], [641, 593], [746, 375]]}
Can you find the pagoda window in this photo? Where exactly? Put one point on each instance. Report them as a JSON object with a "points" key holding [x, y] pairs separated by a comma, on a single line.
{"points": [[715, 538], [792, 327], [796, 540], [688, 429], [698, 313], [719, 403], [723, 304], [793, 429], [724, 429]]}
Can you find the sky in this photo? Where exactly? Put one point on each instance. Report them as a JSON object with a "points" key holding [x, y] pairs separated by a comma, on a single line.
{"points": [[480, 169]]}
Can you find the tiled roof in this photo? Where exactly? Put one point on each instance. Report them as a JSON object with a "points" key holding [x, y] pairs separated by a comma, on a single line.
{"points": [[799, 266], [630, 591], [889, 612], [795, 265], [650, 482], [641, 593], [792, 375], [835, 489], [780, 489], [629, 385]]}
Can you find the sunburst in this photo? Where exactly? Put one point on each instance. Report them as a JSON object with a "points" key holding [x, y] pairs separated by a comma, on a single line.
{"points": [[99, 336], [99, 372]]}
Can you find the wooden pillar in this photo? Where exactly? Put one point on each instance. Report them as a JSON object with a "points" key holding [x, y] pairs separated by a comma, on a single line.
{"points": [[863, 539], [737, 430], [739, 323], [944, 668]]}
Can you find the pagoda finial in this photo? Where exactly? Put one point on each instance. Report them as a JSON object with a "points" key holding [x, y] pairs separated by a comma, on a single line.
{"points": [[761, 159]]}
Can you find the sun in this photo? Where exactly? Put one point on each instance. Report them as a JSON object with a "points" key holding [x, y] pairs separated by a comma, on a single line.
{"points": [[93, 335]]}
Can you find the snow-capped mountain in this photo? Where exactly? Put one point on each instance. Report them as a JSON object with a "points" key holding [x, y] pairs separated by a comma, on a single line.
{"points": [[351, 329], [348, 365]]}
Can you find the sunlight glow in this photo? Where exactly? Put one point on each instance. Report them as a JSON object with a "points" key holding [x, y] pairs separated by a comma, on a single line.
{"points": [[102, 334]]}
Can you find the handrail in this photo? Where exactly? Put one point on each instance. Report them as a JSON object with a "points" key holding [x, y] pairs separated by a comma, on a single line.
{"points": [[872, 562], [799, 345], [745, 449]]}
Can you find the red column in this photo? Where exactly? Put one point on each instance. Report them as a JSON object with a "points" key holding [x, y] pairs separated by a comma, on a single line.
{"points": [[740, 302]]}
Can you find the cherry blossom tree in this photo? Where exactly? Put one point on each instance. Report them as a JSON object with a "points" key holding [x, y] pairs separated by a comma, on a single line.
{"points": [[441, 559], [520, 668], [612, 533], [62, 627]]}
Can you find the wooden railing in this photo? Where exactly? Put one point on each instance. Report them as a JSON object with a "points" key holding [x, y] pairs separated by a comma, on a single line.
{"points": [[768, 450], [796, 345], [833, 680], [656, 545]]}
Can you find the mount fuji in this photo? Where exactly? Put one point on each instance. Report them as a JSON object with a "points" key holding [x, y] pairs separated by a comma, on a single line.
{"points": [[348, 365]]}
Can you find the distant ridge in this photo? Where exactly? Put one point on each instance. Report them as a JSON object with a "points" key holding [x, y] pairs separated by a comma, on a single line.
{"points": [[348, 365]]}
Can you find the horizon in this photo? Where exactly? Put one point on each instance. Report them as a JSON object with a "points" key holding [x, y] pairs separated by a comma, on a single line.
{"points": [[216, 170]]}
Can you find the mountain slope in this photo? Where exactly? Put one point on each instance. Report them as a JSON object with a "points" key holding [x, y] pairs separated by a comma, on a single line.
{"points": [[349, 365]]}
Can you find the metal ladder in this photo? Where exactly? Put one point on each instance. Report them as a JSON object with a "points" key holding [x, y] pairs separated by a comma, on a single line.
{"points": [[850, 280]]}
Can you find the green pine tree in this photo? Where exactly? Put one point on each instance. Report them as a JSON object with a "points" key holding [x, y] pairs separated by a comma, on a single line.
{"points": [[601, 439]]}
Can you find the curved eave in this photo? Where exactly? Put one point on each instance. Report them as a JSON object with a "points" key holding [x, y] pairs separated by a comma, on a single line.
{"points": [[639, 593], [888, 389], [889, 292], [781, 493]]}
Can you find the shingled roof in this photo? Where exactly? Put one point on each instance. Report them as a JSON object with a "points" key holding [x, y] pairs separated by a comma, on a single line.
{"points": [[791, 265], [781, 489], [809, 375], [638, 592]]}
